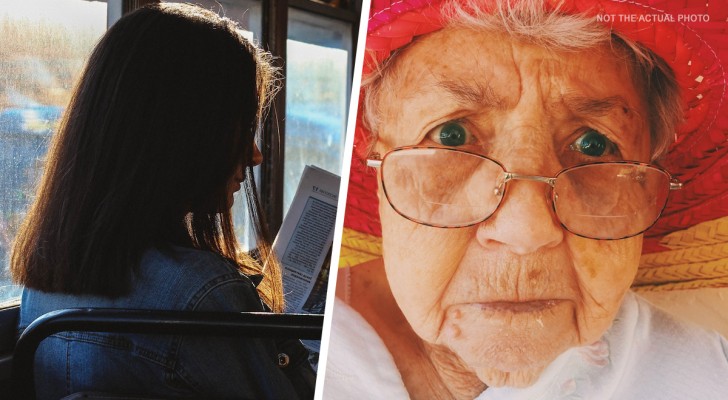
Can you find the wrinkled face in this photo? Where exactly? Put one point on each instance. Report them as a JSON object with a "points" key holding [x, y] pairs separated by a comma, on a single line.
{"points": [[512, 293]]}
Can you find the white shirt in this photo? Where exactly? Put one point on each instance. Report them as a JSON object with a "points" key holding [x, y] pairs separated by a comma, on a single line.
{"points": [[646, 354]]}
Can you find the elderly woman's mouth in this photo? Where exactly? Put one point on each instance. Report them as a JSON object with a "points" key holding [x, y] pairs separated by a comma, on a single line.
{"points": [[518, 306], [517, 314]]}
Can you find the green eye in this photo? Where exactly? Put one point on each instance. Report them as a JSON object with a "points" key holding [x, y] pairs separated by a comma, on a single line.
{"points": [[452, 134], [594, 144]]}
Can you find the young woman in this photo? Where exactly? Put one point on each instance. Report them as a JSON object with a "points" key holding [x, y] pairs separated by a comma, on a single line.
{"points": [[133, 211]]}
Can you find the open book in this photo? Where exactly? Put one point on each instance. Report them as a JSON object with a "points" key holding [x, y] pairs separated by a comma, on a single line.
{"points": [[303, 244]]}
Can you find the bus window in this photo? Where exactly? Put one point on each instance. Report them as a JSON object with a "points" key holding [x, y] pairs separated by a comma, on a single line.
{"points": [[43, 49], [319, 64]]}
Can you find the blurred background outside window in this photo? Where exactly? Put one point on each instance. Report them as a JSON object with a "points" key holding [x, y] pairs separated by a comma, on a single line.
{"points": [[43, 48]]}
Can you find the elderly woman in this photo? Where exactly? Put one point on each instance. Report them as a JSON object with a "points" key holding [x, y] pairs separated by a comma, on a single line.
{"points": [[516, 148]]}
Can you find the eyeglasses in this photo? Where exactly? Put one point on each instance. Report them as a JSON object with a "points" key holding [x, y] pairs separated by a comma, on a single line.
{"points": [[452, 188]]}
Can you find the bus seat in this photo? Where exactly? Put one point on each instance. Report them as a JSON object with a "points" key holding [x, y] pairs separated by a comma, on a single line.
{"points": [[253, 324]]}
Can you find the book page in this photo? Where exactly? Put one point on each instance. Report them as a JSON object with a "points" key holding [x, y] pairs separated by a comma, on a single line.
{"points": [[303, 244]]}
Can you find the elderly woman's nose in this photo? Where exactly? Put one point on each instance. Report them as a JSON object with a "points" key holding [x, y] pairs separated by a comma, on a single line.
{"points": [[524, 222]]}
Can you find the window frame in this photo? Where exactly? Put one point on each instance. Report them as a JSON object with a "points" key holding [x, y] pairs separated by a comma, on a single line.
{"points": [[274, 39]]}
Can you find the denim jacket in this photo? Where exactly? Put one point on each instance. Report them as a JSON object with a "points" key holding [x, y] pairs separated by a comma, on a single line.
{"points": [[168, 366]]}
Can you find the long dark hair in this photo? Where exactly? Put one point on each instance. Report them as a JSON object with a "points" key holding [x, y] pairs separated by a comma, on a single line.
{"points": [[168, 105]]}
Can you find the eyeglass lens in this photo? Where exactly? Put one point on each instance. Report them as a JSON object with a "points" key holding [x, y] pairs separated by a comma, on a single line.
{"points": [[449, 188]]}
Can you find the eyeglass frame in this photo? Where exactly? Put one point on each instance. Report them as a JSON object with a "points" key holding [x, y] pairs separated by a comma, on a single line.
{"points": [[376, 161]]}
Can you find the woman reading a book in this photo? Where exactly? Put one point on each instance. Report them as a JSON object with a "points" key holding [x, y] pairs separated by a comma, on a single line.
{"points": [[516, 148], [134, 211]]}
